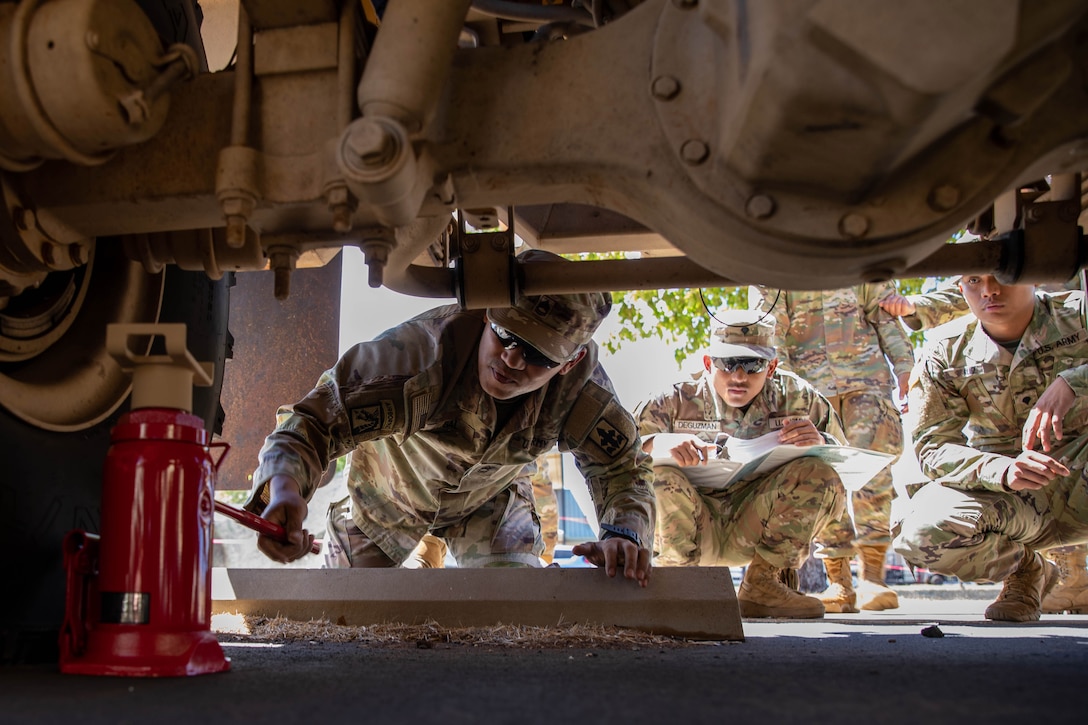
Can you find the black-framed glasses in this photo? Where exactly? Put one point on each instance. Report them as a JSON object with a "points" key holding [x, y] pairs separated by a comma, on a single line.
{"points": [[530, 354], [750, 365]]}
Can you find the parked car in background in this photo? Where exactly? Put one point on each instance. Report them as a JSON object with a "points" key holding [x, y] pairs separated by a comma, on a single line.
{"points": [[932, 577], [898, 574]]}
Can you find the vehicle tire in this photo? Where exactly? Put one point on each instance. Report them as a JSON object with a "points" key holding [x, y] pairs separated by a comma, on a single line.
{"points": [[936, 579]]}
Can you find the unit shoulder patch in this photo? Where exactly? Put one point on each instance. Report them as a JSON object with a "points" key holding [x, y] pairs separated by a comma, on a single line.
{"points": [[608, 438], [373, 418]]}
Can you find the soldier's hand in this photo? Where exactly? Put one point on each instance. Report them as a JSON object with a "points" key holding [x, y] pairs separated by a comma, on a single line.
{"points": [[800, 433], [614, 552], [286, 507], [1032, 470], [1044, 424], [685, 449], [897, 305]]}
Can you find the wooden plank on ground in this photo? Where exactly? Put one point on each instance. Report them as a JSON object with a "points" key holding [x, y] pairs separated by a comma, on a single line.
{"points": [[696, 602]]}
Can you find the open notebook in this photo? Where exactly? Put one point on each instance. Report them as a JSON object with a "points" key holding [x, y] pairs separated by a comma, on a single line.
{"points": [[742, 460]]}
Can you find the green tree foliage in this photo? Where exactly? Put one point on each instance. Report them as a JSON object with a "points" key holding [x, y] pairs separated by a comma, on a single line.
{"points": [[680, 317]]}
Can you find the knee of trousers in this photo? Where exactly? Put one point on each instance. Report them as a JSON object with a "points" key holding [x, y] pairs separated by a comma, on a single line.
{"points": [[812, 478], [670, 482], [937, 516]]}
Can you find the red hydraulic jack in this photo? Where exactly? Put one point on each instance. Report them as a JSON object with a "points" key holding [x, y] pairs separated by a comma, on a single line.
{"points": [[139, 597]]}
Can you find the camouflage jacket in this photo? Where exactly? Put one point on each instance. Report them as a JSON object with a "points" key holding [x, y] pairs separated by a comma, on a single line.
{"points": [[409, 407], [937, 307], [973, 396], [695, 407], [838, 340]]}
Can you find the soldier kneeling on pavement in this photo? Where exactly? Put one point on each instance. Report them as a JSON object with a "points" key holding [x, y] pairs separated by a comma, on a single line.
{"points": [[767, 522], [441, 415], [1003, 433], [926, 311]]}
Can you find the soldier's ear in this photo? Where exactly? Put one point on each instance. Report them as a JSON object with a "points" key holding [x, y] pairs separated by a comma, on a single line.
{"points": [[574, 360], [708, 363]]}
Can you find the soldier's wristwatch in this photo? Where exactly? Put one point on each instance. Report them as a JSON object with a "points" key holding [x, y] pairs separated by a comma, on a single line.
{"points": [[608, 531]]}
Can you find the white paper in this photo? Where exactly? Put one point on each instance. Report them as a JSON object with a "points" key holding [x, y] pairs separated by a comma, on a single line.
{"points": [[742, 460]]}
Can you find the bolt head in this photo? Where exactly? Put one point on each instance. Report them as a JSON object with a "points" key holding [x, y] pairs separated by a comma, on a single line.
{"points": [[78, 253], [370, 143], [944, 197], [237, 206], [337, 195], [665, 88], [694, 152], [854, 226], [759, 206], [341, 218]]}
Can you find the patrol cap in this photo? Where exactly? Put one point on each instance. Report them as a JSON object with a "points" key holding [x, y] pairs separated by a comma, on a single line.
{"points": [[555, 324], [742, 333]]}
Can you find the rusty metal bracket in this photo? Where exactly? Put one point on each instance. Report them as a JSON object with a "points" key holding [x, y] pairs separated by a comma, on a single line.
{"points": [[484, 269]]}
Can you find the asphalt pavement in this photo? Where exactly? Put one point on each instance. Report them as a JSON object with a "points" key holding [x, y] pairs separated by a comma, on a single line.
{"points": [[860, 668]]}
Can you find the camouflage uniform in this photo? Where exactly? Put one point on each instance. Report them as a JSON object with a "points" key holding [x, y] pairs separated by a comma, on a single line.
{"points": [[546, 504], [936, 308], [841, 342], [973, 398], [426, 454], [430, 553], [774, 515], [946, 304]]}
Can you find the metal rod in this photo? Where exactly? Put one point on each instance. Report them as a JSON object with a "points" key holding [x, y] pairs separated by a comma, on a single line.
{"points": [[539, 278], [411, 60], [982, 257], [345, 84], [243, 81], [258, 524]]}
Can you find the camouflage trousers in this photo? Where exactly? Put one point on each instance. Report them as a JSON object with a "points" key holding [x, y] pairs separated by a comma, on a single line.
{"points": [[505, 531], [871, 421], [981, 535], [775, 516], [547, 510]]}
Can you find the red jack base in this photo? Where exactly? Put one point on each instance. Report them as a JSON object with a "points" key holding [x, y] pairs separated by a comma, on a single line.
{"points": [[124, 651]]}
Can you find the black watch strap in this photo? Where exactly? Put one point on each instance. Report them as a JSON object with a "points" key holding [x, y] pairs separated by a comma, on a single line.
{"points": [[608, 531]]}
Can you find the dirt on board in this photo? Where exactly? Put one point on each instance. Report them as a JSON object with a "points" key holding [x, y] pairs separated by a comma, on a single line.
{"points": [[431, 634]]}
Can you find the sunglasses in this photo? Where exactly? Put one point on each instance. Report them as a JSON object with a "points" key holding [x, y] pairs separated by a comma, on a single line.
{"points": [[750, 365], [530, 354]]}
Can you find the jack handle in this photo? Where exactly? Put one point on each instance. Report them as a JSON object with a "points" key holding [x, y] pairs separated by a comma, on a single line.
{"points": [[258, 524]]}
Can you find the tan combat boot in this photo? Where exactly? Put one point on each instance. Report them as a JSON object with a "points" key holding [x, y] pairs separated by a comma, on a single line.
{"points": [[762, 594], [839, 597], [1021, 598], [430, 553], [873, 594], [1070, 594]]}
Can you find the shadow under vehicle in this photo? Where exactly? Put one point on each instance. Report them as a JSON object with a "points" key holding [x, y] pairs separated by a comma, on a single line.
{"points": [[796, 143]]}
